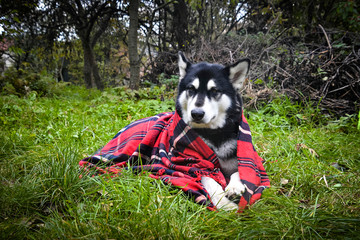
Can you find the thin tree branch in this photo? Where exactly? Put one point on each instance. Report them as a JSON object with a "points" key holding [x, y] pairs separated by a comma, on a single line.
{"points": [[151, 26]]}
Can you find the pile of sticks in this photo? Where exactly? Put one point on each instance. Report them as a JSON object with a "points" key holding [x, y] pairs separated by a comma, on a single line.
{"points": [[325, 73]]}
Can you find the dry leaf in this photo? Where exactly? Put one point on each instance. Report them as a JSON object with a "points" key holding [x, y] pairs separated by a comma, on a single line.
{"points": [[284, 181], [303, 146]]}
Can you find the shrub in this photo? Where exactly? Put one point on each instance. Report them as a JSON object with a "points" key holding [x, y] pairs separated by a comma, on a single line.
{"points": [[22, 81]]}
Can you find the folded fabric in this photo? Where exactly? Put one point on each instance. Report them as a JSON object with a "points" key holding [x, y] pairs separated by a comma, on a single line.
{"points": [[170, 150]]}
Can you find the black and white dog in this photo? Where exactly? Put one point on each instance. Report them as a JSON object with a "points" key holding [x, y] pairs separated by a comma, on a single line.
{"points": [[209, 101]]}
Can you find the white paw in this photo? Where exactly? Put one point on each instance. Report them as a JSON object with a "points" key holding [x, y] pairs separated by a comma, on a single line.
{"points": [[235, 188], [217, 195], [226, 204]]}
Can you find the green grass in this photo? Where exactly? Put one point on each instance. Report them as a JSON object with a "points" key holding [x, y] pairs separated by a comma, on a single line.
{"points": [[42, 196]]}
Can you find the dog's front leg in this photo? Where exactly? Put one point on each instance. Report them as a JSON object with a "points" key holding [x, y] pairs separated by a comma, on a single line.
{"points": [[217, 194], [235, 188]]}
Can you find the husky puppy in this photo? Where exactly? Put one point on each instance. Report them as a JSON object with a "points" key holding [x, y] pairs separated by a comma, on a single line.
{"points": [[209, 101]]}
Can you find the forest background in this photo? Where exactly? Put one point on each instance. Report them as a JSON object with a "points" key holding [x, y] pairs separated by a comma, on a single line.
{"points": [[73, 73], [308, 50]]}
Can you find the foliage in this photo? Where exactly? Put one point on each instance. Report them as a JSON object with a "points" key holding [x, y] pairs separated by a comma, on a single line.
{"points": [[154, 92], [273, 33], [43, 139], [170, 83], [23, 81], [12, 16], [348, 14], [305, 15]]}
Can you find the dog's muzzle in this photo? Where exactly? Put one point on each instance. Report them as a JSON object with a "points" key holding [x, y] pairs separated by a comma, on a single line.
{"points": [[197, 115]]}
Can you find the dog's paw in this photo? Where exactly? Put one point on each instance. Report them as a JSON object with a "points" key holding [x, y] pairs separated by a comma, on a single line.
{"points": [[226, 204], [217, 195], [235, 188]]}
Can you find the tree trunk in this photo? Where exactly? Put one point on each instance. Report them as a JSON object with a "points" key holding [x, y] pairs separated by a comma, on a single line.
{"points": [[95, 73], [180, 24], [132, 44], [91, 72], [89, 82]]}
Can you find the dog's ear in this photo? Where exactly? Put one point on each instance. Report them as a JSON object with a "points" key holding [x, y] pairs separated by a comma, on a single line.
{"points": [[237, 72], [184, 64]]}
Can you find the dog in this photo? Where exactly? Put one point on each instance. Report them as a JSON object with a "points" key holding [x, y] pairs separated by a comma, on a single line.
{"points": [[209, 101]]}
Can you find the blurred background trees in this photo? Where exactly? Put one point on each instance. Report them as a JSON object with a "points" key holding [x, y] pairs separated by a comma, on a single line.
{"points": [[308, 50]]}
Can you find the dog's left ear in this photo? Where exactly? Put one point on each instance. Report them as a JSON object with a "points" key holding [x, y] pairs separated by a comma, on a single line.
{"points": [[184, 64], [237, 72]]}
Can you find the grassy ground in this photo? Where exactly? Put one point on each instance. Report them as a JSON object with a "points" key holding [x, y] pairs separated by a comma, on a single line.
{"points": [[312, 161]]}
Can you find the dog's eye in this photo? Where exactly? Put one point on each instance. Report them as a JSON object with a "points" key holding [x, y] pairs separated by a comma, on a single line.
{"points": [[214, 91], [191, 89]]}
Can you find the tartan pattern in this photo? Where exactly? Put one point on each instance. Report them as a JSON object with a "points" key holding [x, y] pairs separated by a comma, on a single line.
{"points": [[166, 147]]}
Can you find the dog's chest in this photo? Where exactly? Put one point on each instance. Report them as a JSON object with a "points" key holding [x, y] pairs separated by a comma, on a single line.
{"points": [[226, 153]]}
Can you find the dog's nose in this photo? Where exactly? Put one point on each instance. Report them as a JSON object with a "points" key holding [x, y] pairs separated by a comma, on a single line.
{"points": [[197, 114]]}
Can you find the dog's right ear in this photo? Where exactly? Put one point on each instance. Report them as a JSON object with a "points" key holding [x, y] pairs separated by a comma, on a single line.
{"points": [[184, 64]]}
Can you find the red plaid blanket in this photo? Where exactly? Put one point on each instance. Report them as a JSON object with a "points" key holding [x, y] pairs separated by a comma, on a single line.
{"points": [[170, 150]]}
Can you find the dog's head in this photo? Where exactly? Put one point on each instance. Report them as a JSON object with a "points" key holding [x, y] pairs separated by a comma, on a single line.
{"points": [[208, 94]]}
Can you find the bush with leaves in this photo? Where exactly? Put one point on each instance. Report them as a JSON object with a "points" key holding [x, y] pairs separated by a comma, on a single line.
{"points": [[21, 82]]}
